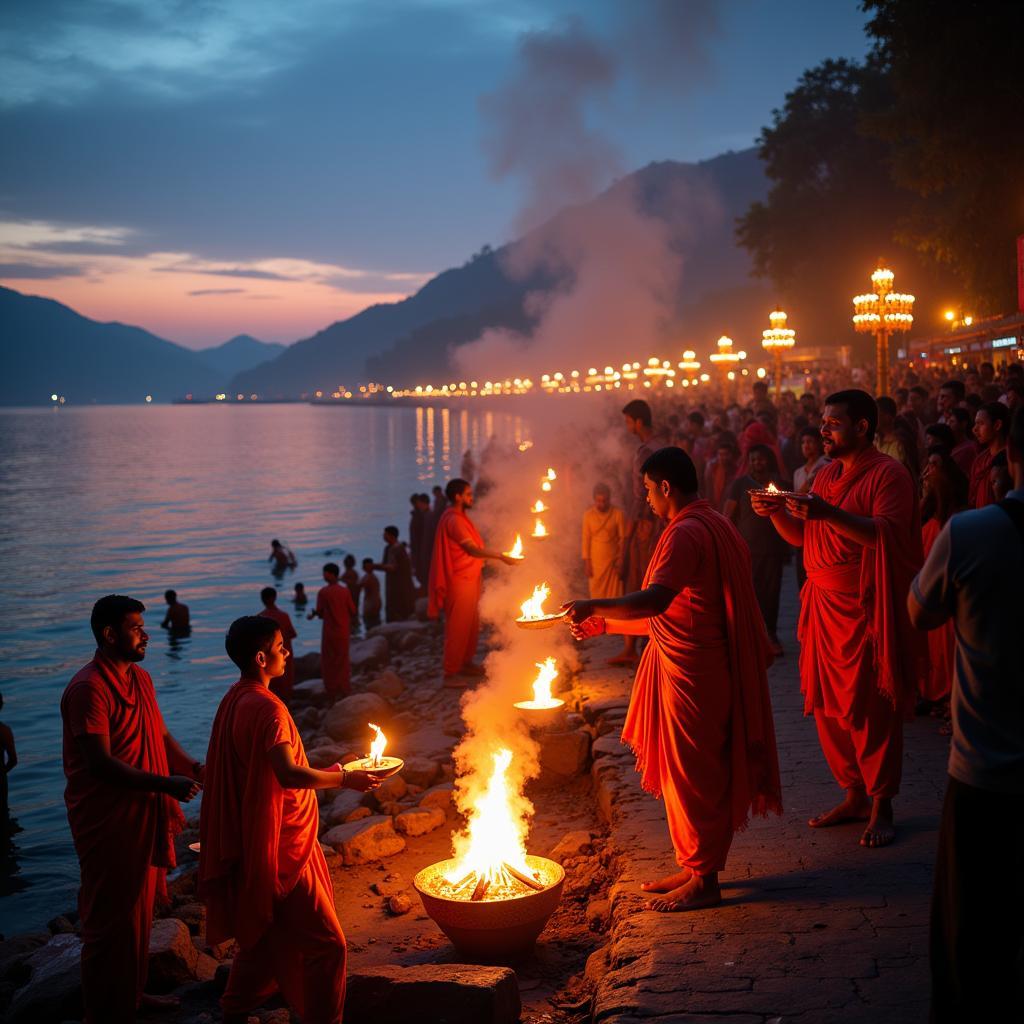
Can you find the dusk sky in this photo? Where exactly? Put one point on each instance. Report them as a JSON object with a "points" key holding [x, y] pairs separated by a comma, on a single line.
{"points": [[204, 169]]}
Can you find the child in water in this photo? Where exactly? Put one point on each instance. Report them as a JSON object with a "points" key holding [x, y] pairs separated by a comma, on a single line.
{"points": [[299, 597]]}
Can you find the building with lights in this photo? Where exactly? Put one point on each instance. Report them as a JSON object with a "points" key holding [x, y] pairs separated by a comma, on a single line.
{"points": [[998, 340]]}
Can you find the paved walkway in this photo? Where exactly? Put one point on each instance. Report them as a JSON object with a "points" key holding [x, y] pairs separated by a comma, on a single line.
{"points": [[814, 928]]}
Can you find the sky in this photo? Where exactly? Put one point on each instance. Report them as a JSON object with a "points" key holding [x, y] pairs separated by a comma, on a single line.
{"points": [[204, 168]]}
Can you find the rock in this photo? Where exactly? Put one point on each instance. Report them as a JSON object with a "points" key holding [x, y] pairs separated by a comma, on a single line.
{"points": [[572, 844], [173, 957], [439, 796], [387, 685], [411, 640], [325, 756], [419, 771], [358, 814], [389, 791], [307, 719], [307, 666], [341, 807], [563, 755], [594, 709], [399, 904], [609, 746], [390, 808], [454, 993], [361, 842], [370, 653], [389, 885], [418, 821], [309, 689], [598, 964], [350, 716], [53, 990], [60, 926], [421, 609], [430, 741], [598, 913], [396, 630], [194, 916]]}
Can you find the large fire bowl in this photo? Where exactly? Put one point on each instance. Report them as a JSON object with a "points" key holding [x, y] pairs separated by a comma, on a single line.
{"points": [[495, 930]]}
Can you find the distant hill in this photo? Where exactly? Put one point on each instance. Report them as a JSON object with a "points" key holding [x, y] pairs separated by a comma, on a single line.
{"points": [[409, 341], [240, 353], [48, 348]]}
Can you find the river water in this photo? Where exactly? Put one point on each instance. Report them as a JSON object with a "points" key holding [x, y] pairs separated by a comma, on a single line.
{"points": [[136, 500]]}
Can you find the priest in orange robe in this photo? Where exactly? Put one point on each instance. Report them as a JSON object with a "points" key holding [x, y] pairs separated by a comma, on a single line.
{"points": [[122, 802], [282, 686], [699, 719], [262, 873], [860, 659], [334, 606], [454, 588]]}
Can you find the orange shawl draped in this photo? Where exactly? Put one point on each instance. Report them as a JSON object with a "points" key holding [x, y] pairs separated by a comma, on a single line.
{"points": [[450, 564]]}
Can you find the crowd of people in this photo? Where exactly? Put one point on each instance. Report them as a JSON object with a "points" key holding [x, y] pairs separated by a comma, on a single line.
{"points": [[908, 538]]}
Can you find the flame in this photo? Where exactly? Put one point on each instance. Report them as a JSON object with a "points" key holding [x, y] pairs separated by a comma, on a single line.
{"points": [[534, 607], [495, 833], [380, 741], [546, 485], [542, 684], [771, 489], [539, 530], [539, 506], [516, 550], [551, 475]]}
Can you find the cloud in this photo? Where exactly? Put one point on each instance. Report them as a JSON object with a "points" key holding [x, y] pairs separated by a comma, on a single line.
{"points": [[218, 291], [261, 275], [35, 271]]}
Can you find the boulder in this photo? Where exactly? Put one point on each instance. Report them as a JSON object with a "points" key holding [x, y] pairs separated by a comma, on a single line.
{"points": [[420, 771], [389, 791], [432, 993], [387, 685], [326, 755], [350, 716], [411, 640], [308, 719], [609, 745], [563, 755], [389, 885], [370, 653], [60, 925], [362, 842], [439, 796], [307, 666], [399, 904], [400, 628], [572, 844], [594, 709], [347, 801], [53, 990], [358, 814], [598, 914], [173, 957], [418, 821], [310, 689]]}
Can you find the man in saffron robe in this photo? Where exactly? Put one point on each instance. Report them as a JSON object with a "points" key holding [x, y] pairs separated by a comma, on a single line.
{"points": [[454, 589], [262, 873], [859, 659], [122, 808], [604, 534], [699, 718], [991, 425], [334, 606], [282, 686]]}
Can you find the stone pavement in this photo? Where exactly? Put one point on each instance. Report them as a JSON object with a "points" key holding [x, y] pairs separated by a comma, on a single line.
{"points": [[814, 928]]}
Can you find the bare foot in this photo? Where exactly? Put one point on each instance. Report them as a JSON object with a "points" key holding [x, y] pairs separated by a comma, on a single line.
{"points": [[669, 882], [624, 659], [880, 830], [854, 807], [160, 1003], [699, 893]]}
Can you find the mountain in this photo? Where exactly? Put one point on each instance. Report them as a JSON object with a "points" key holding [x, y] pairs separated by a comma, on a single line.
{"points": [[48, 348], [241, 352], [410, 341]]}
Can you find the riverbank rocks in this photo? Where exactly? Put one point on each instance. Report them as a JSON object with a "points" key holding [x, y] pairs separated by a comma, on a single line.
{"points": [[173, 957], [309, 690], [572, 844], [53, 990], [442, 796], [388, 792], [420, 771], [307, 666], [369, 653], [399, 904], [387, 685], [338, 811], [563, 755], [326, 755], [349, 717], [365, 841], [418, 821], [433, 993]]}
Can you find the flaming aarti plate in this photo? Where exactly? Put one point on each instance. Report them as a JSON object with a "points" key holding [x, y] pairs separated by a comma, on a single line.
{"points": [[543, 622], [379, 767], [773, 492]]}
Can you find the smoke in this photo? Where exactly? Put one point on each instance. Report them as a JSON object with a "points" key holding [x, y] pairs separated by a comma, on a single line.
{"points": [[618, 266]]}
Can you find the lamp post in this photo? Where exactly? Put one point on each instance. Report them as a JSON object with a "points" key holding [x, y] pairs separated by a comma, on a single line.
{"points": [[689, 364], [727, 361], [776, 340], [882, 313]]}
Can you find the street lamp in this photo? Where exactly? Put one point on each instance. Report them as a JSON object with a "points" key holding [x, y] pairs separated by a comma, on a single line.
{"points": [[726, 360], [882, 313], [689, 364], [776, 340]]}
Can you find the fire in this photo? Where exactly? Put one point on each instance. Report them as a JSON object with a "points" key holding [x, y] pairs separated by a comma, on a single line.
{"points": [[534, 607], [539, 506], [516, 551], [546, 485], [551, 475], [539, 530], [547, 674], [771, 488], [495, 835], [380, 741]]}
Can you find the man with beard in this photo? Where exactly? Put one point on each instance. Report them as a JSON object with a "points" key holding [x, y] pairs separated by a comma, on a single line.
{"points": [[122, 806]]}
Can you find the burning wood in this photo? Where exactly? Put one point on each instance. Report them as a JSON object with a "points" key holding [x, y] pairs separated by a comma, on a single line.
{"points": [[482, 885]]}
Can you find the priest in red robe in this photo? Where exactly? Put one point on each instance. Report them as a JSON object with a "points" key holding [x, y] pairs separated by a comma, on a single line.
{"points": [[122, 802], [283, 685], [454, 588], [860, 659], [699, 719], [335, 607], [262, 873]]}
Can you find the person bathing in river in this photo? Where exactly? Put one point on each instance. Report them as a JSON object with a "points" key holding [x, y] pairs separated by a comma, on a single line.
{"points": [[281, 556], [700, 718], [176, 618], [299, 596]]}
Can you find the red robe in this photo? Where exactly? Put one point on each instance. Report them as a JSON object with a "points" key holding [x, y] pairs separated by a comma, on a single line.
{"points": [[757, 433], [937, 678], [700, 720], [334, 605], [454, 587], [979, 490], [124, 838], [283, 686], [262, 873], [860, 658]]}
